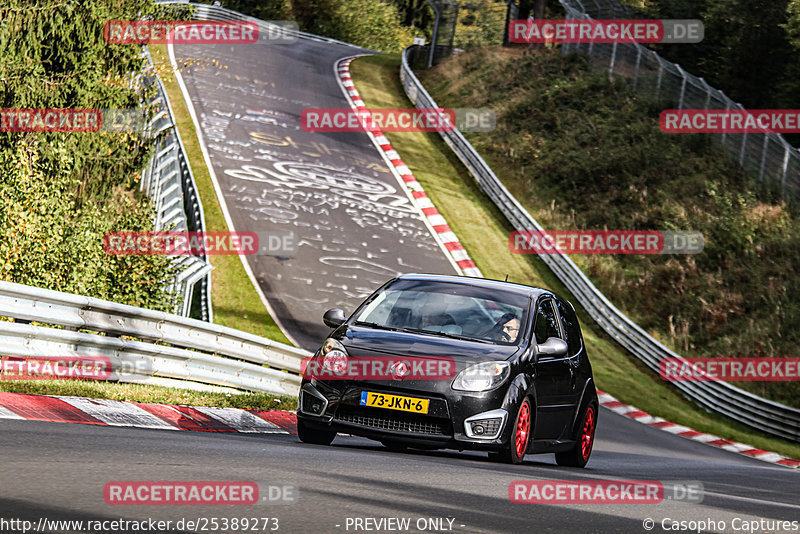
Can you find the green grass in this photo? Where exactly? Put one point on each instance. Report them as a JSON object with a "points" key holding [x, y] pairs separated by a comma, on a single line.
{"points": [[146, 393], [235, 301], [484, 233]]}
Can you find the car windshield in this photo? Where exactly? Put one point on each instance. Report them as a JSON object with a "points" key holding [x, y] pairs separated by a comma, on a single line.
{"points": [[447, 309]]}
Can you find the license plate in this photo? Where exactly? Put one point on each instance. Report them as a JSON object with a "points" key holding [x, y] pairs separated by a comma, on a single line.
{"points": [[394, 402]]}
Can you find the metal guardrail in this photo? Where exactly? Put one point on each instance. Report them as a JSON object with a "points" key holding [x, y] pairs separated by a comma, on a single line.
{"points": [[763, 155], [166, 349], [720, 397], [212, 12], [169, 182]]}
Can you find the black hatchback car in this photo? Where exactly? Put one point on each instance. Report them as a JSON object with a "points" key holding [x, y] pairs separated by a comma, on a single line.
{"points": [[431, 361]]}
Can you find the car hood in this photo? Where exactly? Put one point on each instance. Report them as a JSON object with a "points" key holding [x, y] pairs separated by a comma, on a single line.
{"points": [[364, 341]]}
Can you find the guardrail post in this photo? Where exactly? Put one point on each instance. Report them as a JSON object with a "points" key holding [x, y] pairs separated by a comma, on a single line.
{"points": [[613, 60], [787, 151], [728, 103], [683, 86], [744, 141], [660, 74], [708, 93], [763, 157]]}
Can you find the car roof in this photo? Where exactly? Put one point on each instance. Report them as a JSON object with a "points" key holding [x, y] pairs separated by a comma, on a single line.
{"points": [[512, 287]]}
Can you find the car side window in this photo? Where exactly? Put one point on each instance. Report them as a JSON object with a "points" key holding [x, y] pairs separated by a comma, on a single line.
{"points": [[546, 322], [571, 328]]}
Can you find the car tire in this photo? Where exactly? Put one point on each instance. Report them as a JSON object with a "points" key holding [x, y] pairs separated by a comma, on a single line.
{"points": [[520, 438], [578, 455], [314, 436]]}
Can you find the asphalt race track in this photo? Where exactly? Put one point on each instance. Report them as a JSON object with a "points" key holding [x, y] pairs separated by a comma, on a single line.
{"points": [[353, 223], [354, 228], [58, 471]]}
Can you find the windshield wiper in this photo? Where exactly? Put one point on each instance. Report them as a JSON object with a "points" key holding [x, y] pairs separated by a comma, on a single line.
{"points": [[376, 325], [443, 334]]}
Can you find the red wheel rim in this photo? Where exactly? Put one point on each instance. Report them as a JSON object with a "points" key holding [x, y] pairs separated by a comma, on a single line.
{"points": [[587, 434], [523, 429]]}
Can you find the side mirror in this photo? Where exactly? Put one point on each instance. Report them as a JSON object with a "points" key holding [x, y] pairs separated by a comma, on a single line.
{"points": [[334, 317], [553, 347]]}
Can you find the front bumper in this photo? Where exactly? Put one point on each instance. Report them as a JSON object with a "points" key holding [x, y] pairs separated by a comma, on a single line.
{"points": [[336, 406]]}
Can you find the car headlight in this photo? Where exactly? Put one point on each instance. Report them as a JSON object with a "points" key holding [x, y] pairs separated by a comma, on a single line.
{"points": [[333, 357], [481, 377]]}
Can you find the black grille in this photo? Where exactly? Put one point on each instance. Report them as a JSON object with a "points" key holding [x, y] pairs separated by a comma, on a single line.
{"points": [[490, 426], [399, 422]]}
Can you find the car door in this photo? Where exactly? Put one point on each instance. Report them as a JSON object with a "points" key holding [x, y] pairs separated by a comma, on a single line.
{"points": [[555, 376]]}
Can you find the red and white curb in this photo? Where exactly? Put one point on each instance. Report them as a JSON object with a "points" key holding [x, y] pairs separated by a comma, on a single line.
{"points": [[106, 412], [434, 218], [679, 430]]}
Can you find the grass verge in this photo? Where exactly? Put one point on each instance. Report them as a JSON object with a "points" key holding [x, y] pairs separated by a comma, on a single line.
{"points": [[484, 233], [147, 393]]}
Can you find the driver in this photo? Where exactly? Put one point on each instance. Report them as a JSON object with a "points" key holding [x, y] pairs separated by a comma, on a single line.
{"points": [[507, 328]]}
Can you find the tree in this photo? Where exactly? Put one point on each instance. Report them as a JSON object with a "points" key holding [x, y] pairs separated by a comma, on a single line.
{"points": [[60, 193], [749, 50], [792, 25]]}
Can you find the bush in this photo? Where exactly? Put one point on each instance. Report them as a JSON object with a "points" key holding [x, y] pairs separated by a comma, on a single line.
{"points": [[367, 23], [61, 192], [480, 23]]}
